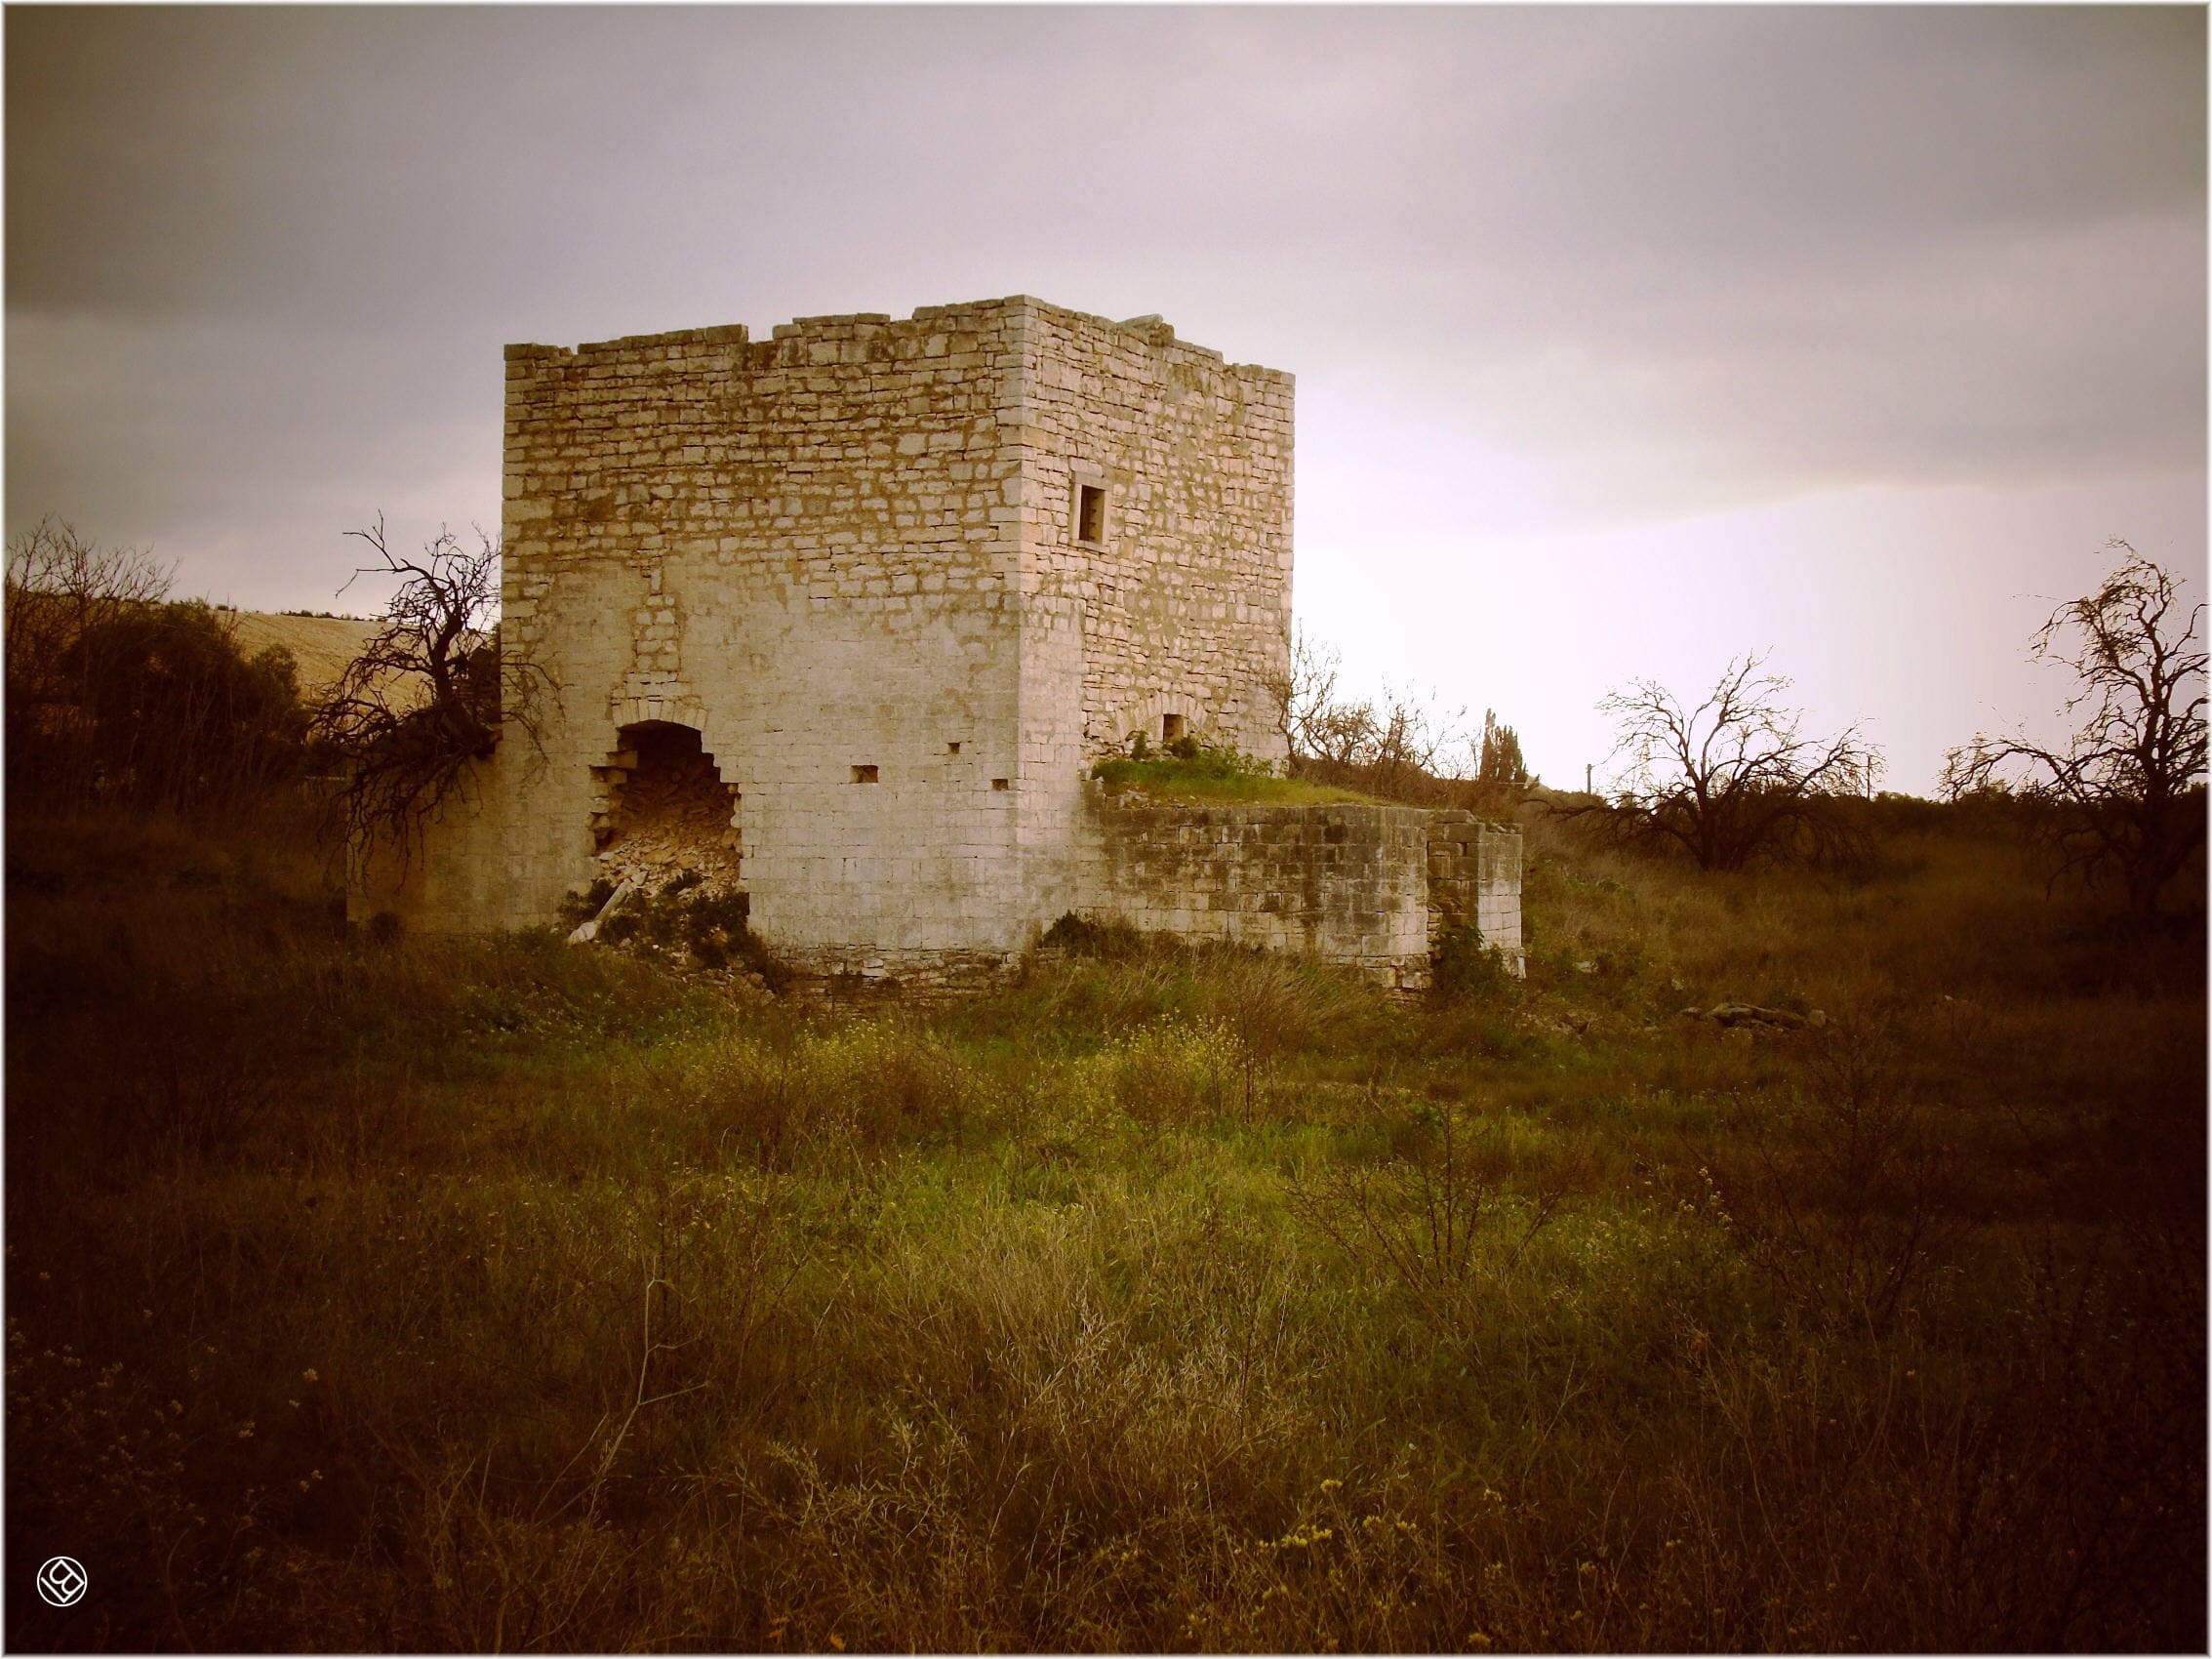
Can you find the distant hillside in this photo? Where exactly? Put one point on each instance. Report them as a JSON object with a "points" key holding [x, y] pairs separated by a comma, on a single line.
{"points": [[322, 646]]}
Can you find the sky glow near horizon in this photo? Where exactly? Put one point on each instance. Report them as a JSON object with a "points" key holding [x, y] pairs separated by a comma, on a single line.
{"points": [[1627, 340]]}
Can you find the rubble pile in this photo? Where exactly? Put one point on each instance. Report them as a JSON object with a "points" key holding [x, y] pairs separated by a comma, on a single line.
{"points": [[674, 813], [1746, 1016]]}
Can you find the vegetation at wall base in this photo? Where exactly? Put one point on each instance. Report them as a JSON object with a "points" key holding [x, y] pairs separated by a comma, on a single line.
{"points": [[447, 1294], [683, 925]]}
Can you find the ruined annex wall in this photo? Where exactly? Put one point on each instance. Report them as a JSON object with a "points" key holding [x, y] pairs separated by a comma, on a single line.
{"points": [[804, 548], [451, 874], [1347, 883], [1474, 880]]}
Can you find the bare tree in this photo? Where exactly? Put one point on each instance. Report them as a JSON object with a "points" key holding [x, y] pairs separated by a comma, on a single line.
{"points": [[426, 699], [54, 557], [1393, 746], [2122, 794], [1306, 696], [1734, 777]]}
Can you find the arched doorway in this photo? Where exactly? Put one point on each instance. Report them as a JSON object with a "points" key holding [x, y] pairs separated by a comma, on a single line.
{"points": [[667, 811]]}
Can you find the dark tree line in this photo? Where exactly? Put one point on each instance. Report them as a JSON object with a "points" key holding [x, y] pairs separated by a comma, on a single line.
{"points": [[118, 696]]}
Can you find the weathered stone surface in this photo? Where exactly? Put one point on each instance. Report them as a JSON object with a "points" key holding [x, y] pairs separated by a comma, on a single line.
{"points": [[1355, 884]]}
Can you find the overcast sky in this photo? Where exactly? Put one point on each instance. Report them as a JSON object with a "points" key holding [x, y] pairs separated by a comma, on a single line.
{"points": [[1626, 338]]}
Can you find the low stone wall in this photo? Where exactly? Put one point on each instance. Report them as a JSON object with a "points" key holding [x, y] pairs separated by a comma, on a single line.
{"points": [[1474, 880], [1372, 887], [1344, 883]]}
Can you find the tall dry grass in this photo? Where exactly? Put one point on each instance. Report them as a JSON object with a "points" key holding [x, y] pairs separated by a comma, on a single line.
{"points": [[467, 1295]]}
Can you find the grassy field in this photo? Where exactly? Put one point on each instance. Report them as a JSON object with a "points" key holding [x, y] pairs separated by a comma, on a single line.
{"points": [[322, 647], [369, 1293]]}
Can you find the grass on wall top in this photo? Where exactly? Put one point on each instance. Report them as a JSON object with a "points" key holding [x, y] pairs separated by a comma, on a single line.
{"points": [[1216, 776]]}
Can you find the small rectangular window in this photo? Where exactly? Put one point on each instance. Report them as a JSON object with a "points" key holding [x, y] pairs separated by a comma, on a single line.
{"points": [[1090, 514], [1001, 783], [953, 748], [1170, 728], [863, 773]]}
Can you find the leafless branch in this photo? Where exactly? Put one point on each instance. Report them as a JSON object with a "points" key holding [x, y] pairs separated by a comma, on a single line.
{"points": [[1734, 777], [427, 699], [2122, 797], [1395, 747]]}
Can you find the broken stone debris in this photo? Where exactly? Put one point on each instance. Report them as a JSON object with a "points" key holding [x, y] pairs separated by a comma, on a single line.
{"points": [[1749, 1015], [587, 931], [675, 814]]}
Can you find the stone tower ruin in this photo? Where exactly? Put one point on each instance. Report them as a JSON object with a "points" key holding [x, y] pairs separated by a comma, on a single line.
{"points": [[843, 617]]}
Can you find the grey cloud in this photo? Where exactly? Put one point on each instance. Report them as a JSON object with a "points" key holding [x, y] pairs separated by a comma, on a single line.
{"points": [[1702, 254]]}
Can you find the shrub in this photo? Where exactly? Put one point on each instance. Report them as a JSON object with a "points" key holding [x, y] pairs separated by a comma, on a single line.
{"points": [[1106, 940], [1176, 1073], [1469, 966], [144, 704], [863, 1086], [577, 908], [1433, 1215], [1847, 1199], [1185, 762], [685, 921]]}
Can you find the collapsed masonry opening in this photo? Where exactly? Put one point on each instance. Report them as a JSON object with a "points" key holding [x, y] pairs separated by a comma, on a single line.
{"points": [[667, 810]]}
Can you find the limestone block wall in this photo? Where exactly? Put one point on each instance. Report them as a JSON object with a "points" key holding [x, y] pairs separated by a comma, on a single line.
{"points": [[806, 549], [451, 876], [1183, 599], [1347, 883], [854, 557], [1474, 879]]}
